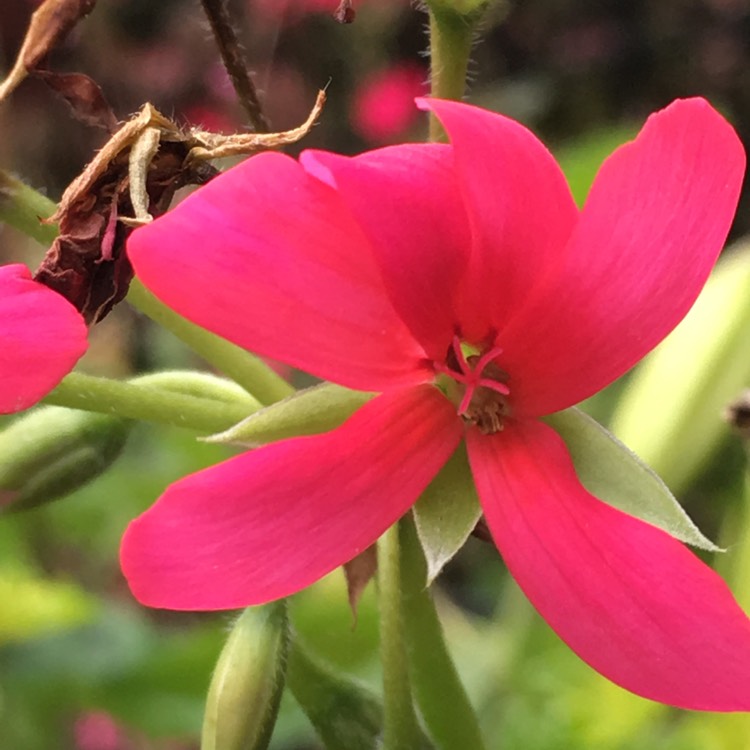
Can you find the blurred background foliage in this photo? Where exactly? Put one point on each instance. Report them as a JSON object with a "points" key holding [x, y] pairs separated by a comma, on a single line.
{"points": [[82, 667]]}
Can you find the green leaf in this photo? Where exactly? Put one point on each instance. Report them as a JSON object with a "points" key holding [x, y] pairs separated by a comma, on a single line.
{"points": [[447, 513], [314, 410], [670, 412], [614, 474]]}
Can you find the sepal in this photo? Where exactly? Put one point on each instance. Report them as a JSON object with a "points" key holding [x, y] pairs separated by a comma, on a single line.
{"points": [[309, 412], [614, 474]]}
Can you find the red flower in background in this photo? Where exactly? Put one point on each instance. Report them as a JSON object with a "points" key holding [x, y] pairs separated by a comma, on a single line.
{"points": [[42, 336], [463, 283], [383, 107]]}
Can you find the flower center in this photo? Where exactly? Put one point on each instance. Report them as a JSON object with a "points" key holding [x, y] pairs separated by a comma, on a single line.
{"points": [[482, 391]]}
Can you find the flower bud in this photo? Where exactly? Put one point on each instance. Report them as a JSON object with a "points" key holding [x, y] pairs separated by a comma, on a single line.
{"points": [[52, 451], [243, 699]]}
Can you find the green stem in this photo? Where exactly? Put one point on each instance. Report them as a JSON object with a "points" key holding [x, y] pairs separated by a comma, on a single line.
{"points": [[23, 208], [249, 371], [451, 38], [401, 730], [148, 403], [441, 697]]}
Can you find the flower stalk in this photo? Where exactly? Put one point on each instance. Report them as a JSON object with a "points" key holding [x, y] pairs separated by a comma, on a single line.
{"points": [[23, 208], [438, 691], [249, 371], [400, 727], [451, 39]]}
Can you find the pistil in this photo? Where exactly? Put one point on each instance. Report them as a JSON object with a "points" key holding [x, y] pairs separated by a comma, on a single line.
{"points": [[478, 406]]}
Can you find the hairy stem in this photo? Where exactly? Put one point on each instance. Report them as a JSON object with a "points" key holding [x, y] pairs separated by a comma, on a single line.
{"points": [[441, 697], [249, 371], [400, 730], [235, 63], [451, 37]]}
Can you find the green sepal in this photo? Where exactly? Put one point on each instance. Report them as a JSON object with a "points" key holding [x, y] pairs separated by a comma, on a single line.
{"points": [[309, 412], [613, 473], [670, 412], [246, 687], [52, 451], [345, 715], [447, 512]]}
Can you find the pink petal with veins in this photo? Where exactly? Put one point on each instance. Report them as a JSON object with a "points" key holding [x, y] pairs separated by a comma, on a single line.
{"points": [[629, 599], [653, 225], [271, 259], [272, 521]]}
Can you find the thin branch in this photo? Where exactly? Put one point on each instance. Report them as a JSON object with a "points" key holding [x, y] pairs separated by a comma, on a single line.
{"points": [[234, 62]]}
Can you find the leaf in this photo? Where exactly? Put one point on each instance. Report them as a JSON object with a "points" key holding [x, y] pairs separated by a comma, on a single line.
{"points": [[447, 513], [614, 474], [309, 412]]}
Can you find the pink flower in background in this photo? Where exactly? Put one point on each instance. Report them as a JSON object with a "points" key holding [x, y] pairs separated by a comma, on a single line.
{"points": [[383, 107], [98, 730], [42, 336], [462, 283]]}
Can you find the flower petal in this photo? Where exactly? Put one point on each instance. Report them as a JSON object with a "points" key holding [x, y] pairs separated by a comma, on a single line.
{"points": [[652, 228], [406, 200], [268, 523], [629, 599], [269, 258], [42, 336], [520, 210]]}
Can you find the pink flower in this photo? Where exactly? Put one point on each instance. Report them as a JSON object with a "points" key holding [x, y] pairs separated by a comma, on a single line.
{"points": [[42, 336], [461, 282], [383, 106]]}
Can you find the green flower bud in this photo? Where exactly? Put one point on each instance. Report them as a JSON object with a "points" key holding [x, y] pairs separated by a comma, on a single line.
{"points": [[243, 699], [52, 451]]}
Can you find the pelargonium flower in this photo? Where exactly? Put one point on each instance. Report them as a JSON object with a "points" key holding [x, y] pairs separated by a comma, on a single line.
{"points": [[42, 336], [462, 283]]}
